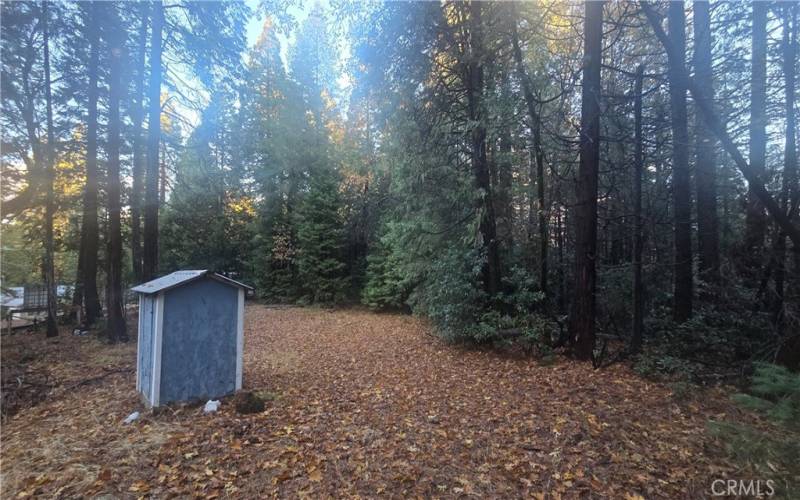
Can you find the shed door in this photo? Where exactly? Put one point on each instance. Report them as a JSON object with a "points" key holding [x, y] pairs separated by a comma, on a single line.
{"points": [[146, 329]]}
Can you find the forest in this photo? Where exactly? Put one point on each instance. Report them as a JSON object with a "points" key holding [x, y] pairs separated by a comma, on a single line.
{"points": [[601, 185]]}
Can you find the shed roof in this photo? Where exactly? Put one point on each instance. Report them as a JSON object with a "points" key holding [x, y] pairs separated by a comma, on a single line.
{"points": [[180, 278]]}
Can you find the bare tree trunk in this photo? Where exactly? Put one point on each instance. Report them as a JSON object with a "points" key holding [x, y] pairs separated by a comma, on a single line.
{"points": [[584, 304], [150, 253], [755, 220], [543, 237], [49, 265], [791, 168], [114, 297], [681, 187], [789, 188], [537, 153], [162, 175], [707, 221], [638, 170], [531, 223], [91, 301], [562, 302], [504, 198], [755, 183], [77, 292], [490, 274], [137, 116]]}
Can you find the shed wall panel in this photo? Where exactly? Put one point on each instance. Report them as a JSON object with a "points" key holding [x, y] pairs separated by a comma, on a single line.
{"points": [[145, 348], [199, 340]]}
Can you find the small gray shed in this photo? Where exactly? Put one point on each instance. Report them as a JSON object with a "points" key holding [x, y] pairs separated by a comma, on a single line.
{"points": [[191, 337]]}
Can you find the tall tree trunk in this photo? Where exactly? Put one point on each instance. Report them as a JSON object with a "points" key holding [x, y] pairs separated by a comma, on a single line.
{"points": [[537, 153], [616, 212], [490, 274], [531, 223], [91, 302], [681, 188], [755, 183], [137, 116], [584, 304], [791, 167], [150, 253], [162, 175], [114, 298], [503, 198], [76, 314], [755, 220], [562, 285], [49, 266], [705, 176], [638, 170], [789, 188], [541, 208]]}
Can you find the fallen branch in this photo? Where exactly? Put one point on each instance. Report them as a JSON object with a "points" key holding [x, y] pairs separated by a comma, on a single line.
{"points": [[99, 377]]}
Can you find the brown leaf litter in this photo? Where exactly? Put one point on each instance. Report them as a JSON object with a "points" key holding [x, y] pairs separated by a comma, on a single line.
{"points": [[361, 405]]}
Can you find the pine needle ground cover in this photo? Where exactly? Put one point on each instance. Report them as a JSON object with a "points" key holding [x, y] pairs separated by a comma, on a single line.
{"points": [[363, 404]]}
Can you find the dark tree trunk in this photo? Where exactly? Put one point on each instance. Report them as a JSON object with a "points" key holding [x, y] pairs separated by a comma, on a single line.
{"points": [[638, 244], [49, 265], [616, 214], [503, 198], [789, 188], [543, 237], [162, 174], [77, 293], [490, 274], [584, 304], [791, 166], [150, 251], [705, 176], [537, 153], [562, 285], [114, 298], [91, 302], [681, 188], [531, 223], [756, 220], [755, 183], [137, 116]]}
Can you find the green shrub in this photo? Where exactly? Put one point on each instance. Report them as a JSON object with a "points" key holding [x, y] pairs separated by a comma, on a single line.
{"points": [[656, 364], [775, 393], [387, 285], [451, 297]]}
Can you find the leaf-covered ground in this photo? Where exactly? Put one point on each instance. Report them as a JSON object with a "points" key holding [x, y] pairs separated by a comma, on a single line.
{"points": [[364, 405]]}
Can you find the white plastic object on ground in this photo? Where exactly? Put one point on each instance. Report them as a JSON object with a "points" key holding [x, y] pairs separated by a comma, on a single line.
{"points": [[130, 418], [211, 406]]}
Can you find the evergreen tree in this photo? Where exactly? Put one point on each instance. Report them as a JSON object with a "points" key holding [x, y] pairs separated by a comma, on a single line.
{"points": [[209, 221], [272, 113], [320, 240]]}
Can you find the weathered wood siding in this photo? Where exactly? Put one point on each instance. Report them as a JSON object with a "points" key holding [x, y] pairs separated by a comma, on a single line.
{"points": [[198, 356], [144, 363]]}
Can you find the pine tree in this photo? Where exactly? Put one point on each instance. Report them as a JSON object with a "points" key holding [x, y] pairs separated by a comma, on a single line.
{"points": [[320, 239], [387, 286]]}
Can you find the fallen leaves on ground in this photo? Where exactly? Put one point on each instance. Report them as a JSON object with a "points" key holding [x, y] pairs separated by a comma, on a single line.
{"points": [[368, 405]]}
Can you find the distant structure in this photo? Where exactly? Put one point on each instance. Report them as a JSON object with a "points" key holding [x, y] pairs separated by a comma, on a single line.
{"points": [[191, 337]]}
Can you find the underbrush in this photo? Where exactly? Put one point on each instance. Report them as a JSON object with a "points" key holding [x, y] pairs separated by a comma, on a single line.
{"points": [[35, 368], [23, 384], [771, 452], [710, 347], [720, 343]]}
